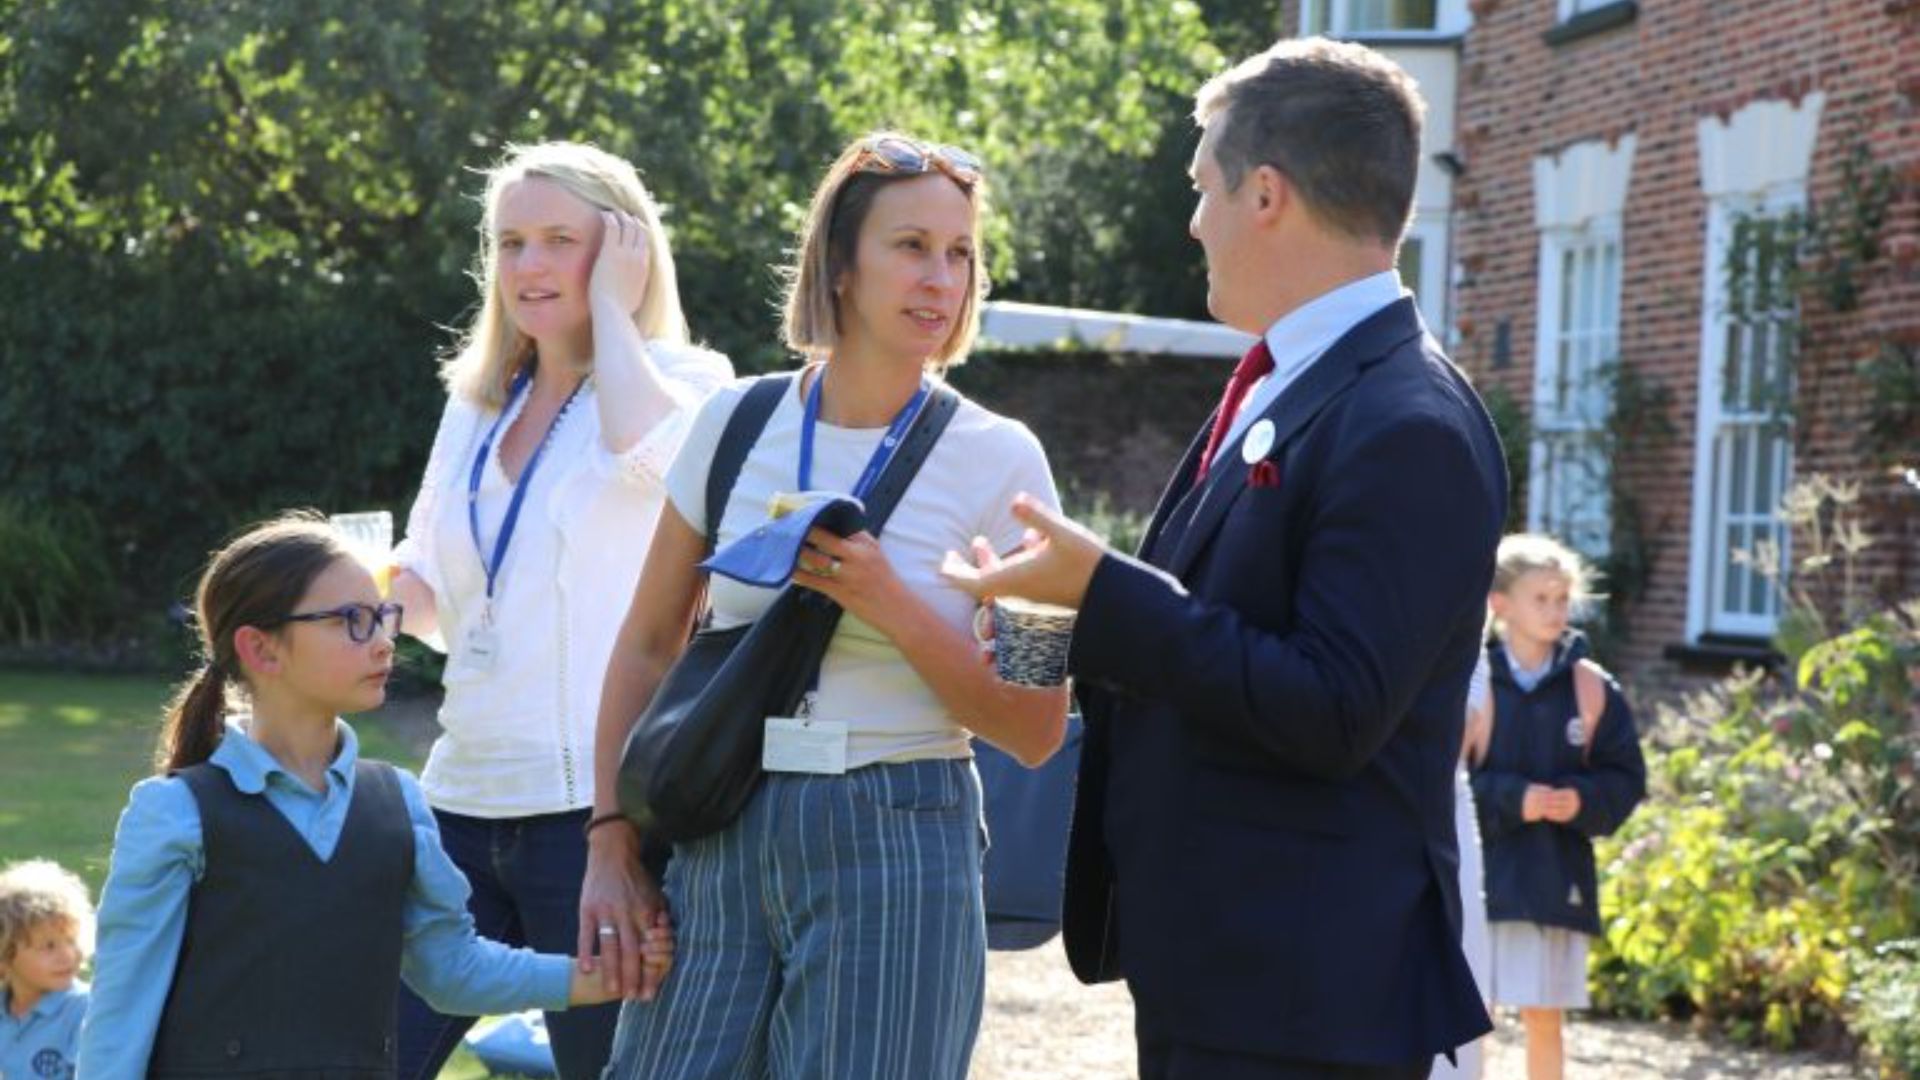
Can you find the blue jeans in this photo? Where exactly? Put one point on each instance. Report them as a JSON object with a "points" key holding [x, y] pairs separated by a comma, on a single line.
{"points": [[525, 874], [834, 930]]}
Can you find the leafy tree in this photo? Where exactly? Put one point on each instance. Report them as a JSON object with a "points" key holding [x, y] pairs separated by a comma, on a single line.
{"points": [[242, 224]]}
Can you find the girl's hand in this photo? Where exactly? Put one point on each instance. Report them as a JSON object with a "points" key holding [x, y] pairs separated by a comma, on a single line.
{"points": [[621, 266], [623, 917], [1563, 804], [584, 989], [852, 572], [1534, 804]]}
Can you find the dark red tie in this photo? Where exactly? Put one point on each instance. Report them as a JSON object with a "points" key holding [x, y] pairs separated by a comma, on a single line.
{"points": [[1253, 367]]}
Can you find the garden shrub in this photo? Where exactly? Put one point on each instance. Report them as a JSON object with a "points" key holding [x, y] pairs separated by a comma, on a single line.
{"points": [[1886, 1005], [1780, 842], [56, 580]]}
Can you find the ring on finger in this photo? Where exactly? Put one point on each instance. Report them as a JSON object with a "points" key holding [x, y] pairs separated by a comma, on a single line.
{"points": [[607, 930]]}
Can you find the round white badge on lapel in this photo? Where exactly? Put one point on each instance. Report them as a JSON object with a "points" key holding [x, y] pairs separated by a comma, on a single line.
{"points": [[1259, 442]]}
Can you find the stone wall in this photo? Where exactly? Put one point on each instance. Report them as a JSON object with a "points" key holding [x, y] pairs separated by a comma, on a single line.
{"points": [[1113, 425]]}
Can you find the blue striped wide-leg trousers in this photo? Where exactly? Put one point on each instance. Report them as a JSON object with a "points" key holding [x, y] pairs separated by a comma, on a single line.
{"points": [[835, 930]]}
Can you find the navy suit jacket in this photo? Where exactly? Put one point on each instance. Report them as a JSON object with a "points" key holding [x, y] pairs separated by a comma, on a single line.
{"points": [[1263, 841]]}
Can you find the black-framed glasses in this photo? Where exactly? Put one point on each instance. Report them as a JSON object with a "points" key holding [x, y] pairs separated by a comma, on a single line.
{"points": [[898, 154], [362, 620]]}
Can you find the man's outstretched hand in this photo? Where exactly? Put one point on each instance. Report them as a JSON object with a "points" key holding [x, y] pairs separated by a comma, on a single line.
{"points": [[1053, 567]]}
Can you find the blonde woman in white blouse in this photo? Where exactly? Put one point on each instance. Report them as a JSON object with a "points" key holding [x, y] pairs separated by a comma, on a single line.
{"points": [[568, 398]]}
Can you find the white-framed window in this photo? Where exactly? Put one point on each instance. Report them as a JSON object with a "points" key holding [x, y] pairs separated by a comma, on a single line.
{"points": [[1753, 171], [1570, 8], [1423, 270], [1746, 393], [1345, 18], [1577, 352], [1579, 197]]}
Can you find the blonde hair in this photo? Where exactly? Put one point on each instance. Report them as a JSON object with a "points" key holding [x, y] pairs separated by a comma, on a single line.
{"points": [[492, 348], [830, 239], [35, 892], [1521, 554]]}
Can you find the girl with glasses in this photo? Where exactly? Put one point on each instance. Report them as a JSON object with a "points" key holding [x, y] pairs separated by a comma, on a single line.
{"points": [[270, 890], [835, 928], [570, 392]]}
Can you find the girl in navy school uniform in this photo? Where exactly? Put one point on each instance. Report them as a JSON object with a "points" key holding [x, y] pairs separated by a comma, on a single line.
{"points": [[1562, 767], [270, 890]]}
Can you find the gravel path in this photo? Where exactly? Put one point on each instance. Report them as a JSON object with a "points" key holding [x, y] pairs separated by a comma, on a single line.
{"points": [[1041, 1024]]}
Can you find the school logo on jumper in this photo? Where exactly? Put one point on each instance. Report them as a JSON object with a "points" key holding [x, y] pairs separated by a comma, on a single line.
{"points": [[1573, 896], [52, 1065], [1576, 731]]}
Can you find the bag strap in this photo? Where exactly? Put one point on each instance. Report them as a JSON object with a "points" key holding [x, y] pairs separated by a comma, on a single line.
{"points": [[1590, 694], [743, 429], [918, 442], [750, 418]]}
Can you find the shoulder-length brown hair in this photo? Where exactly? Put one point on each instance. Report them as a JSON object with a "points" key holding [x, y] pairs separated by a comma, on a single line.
{"points": [[831, 237]]}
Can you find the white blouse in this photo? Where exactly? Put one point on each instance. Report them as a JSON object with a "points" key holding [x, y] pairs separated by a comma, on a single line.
{"points": [[517, 738]]}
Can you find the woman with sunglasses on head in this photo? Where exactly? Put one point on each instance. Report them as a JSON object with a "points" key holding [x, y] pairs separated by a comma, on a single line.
{"points": [[835, 927], [570, 393], [271, 890]]}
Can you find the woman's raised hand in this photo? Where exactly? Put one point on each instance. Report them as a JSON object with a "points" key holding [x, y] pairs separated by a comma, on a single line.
{"points": [[621, 267]]}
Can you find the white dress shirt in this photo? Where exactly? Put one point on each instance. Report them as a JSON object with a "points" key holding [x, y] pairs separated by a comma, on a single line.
{"points": [[1304, 334]]}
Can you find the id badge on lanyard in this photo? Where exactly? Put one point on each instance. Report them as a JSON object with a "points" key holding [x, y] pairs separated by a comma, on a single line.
{"points": [[805, 743], [480, 645]]}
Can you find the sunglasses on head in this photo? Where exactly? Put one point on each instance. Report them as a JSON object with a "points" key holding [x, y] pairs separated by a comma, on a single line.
{"points": [[898, 154]]}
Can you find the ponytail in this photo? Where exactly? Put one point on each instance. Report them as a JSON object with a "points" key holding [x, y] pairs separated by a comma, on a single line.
{"points": [[194, 721]]}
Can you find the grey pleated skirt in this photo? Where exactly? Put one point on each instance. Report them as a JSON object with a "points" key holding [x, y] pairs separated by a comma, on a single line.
{"points": [[1539, 967]]}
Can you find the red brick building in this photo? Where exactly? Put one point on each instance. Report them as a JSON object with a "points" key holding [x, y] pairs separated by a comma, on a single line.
{"points": [[1684, 241]]}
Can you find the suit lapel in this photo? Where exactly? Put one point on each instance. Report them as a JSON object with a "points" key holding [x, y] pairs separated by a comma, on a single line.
{"points": [[1325, 379], [1178, 490]]}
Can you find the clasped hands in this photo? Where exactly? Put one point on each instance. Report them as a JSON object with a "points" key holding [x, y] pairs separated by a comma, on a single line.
{"points": [[1543, 802]]}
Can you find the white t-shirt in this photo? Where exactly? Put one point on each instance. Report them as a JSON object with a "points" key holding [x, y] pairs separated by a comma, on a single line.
{"points": [[964, 489]]}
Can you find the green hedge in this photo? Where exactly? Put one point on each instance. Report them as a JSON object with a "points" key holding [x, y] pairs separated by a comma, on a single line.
{"points": [[165, 401]]}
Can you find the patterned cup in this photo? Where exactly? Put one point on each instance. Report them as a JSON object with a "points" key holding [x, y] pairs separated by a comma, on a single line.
{"points": [[1031, 641]]}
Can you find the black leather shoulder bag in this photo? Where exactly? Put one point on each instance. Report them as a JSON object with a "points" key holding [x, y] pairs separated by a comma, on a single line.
{"points": [[692, 760]]}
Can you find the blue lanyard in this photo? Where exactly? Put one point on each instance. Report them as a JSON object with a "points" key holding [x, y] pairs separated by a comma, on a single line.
{"points": [[882, 454], [492, 566]]}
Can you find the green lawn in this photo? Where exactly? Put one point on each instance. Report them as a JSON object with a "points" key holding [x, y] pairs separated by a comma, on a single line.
{"points": [[71, 746]]}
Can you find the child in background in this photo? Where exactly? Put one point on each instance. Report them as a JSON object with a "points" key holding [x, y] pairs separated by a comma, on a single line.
{"points": [[46, 931], [1562, 766], [270, 890]]}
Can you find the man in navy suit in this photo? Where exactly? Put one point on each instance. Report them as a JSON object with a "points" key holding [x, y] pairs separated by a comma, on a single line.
{"points": [[1263, 843]]}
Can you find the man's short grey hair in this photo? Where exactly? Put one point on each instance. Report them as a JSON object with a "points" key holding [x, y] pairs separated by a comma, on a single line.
{"points": [[1340, 121]]}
